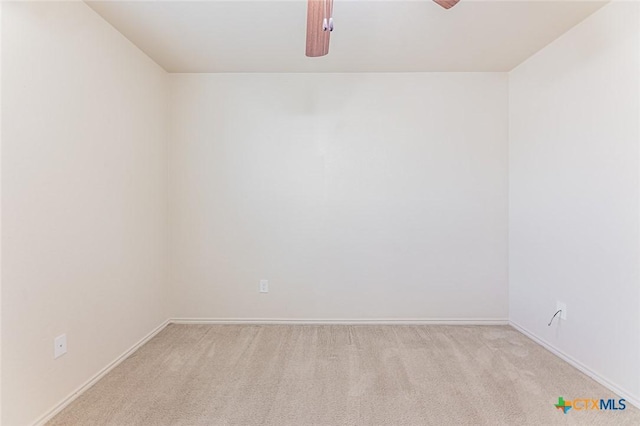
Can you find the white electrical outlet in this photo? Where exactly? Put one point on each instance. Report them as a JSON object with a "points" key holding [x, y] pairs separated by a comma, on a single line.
{"points": [[561, 306], [264, 286], [59, 346]]}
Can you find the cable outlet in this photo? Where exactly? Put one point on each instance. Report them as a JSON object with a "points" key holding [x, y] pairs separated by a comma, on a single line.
{"points": [[561, 306], [59, 346], [264, 286]]}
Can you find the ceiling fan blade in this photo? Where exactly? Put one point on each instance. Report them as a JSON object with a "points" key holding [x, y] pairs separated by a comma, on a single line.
{"points": [[447, 4], [317, 38]]}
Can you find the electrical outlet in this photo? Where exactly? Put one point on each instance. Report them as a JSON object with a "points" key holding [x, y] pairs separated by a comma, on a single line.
{"points": [[264, 286], [561, 306], [59, 346]]}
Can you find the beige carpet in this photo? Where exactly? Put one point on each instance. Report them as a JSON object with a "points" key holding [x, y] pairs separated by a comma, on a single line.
{"points": [[340, 375]]}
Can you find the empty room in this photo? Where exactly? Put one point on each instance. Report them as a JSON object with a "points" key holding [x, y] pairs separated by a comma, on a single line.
{"points": [[320, 212]]}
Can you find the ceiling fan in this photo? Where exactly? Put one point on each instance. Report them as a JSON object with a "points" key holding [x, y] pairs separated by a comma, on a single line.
{"points": [[320, 24]]}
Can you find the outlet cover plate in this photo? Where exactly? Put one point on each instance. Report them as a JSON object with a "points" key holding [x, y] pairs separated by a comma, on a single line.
{"points": [[563, 307], [59, 346], [264, 286]]}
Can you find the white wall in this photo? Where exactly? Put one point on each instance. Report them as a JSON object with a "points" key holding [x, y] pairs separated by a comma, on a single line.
{"points": [[359, 196], [1, 4], [83, 200], [574, 194]]}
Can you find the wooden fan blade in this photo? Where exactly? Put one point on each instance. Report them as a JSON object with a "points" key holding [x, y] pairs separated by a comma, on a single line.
{"points": [[317, 39], [447, 4]]}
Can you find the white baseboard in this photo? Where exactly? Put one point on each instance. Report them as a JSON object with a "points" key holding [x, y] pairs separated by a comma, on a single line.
{"points": [[344, 321], [632, 399], [80, 390]]}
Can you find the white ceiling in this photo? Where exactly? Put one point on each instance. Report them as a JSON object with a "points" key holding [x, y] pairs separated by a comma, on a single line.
{"points": [[370, 36]]}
